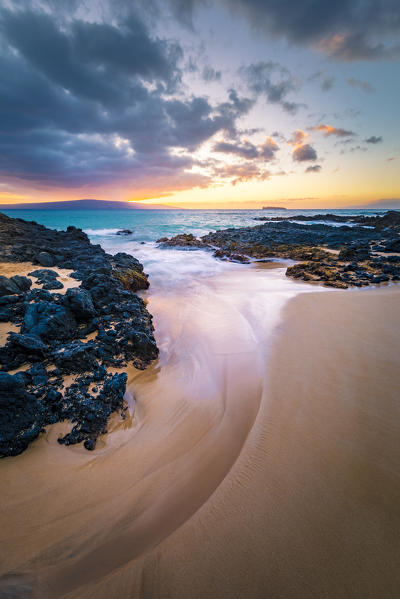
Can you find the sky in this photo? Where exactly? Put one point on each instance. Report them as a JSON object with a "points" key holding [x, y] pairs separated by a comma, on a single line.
{"points": [[200, 103]]}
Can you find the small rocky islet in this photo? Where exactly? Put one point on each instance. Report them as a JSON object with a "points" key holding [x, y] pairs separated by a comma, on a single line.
{"points": [[51, 343], [359, 252]]}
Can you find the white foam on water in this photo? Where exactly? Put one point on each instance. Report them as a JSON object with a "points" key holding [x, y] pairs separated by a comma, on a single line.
{"points": [[226, 293], [101, 232]]}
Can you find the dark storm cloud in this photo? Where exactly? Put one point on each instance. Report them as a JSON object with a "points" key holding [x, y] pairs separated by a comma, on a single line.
{"points": [[273, 81], [194, 121], [345, 29], [82, 59], [91, 102], [374, 139], [304, 152], [313, 169]]}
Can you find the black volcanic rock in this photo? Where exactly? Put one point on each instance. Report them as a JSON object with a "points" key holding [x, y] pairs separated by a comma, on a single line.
{"points": [[47, 278], [49, 320], [20, 415], [80, 303], [51, 341], [8, 286], [23, 283], [277, 237], [45, 259]]}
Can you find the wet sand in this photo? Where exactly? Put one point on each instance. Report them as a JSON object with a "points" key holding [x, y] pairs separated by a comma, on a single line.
{"points": [[242, 472]]}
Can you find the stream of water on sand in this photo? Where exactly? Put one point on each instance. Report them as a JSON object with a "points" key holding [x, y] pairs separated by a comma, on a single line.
{"points": [[190, 416]]}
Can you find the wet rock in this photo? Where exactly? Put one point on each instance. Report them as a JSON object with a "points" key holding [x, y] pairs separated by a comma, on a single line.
{"points": [[123, 261], [75, 356], [8, 299], [183, 240], [44, 273], [142, 343], [45, 259], [239, 258], [312, 245], [49, 320], [53, 284], [23, 283], [129, 272], [354, 253], [94, 412], [38, 375], [53, 326], [47, 278], [30, 344], [393, 246], [134, 280], [21, 415], [8, 286], [124, 232], [80, 302]]}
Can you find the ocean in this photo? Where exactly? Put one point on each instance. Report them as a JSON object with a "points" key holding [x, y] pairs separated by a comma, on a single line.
{"points": [[170, 267], [149, 225], [164, 266]]}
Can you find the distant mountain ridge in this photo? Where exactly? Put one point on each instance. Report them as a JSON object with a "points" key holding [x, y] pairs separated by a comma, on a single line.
{"points": [[84, 204], [389, 204]]}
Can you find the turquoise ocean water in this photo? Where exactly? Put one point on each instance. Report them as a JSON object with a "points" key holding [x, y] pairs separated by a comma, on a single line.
{"points": [[167, 267], [149, 225]]}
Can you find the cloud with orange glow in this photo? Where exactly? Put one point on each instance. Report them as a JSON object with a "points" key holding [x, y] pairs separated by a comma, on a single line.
{"points": [[302, 152], [328, 131], [298, 138]]}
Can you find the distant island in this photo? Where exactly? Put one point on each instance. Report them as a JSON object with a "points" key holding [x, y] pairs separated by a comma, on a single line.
{"points": [[273, 208], [84, 204]]}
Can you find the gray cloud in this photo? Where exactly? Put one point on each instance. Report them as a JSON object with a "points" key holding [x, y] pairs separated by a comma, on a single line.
{"points": [[84, 102], [249, 151], [345, 30], [364, 85], [374, 139], [304, 153], [210, 74], [240, 173], [313, 169], [268, 149], [326, 82], [244, 150], [273, 81]]}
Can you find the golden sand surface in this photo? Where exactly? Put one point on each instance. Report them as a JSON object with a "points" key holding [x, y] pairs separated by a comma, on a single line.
{"points": [[241, 472], [9, 269]]}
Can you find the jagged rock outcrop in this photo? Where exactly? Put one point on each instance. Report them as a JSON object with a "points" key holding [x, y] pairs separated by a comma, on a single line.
{"points": [[354, 262], [51, 343]]}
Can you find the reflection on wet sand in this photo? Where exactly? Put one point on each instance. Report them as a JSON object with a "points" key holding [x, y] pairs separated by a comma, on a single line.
{"points": [[228, 479]]}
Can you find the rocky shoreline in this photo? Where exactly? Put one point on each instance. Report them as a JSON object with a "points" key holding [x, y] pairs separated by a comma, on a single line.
{"points": [[49, 370], [340, 256]]}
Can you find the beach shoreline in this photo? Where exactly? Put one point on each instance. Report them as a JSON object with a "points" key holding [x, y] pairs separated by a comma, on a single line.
{"points": [[305, 508]]}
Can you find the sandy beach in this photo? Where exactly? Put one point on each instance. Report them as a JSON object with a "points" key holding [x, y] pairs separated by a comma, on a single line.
{"points": [[287, 486]]}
